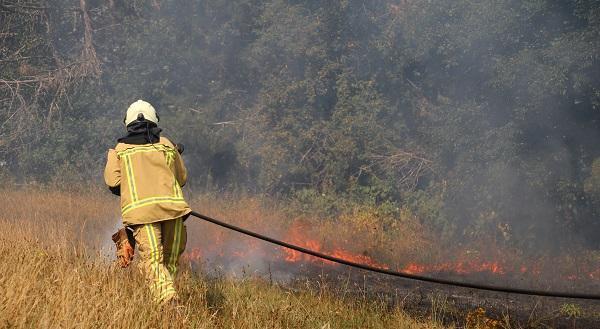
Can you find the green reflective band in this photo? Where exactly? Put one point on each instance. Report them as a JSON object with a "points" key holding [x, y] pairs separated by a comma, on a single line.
{"points": [[167, 293], [161, 281], [147, 148], [170, 158], [153, 253], [131, 179], [177, 193], [175, 247], [149, 201]]}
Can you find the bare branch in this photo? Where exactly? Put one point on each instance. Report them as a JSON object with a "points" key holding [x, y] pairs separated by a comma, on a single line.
{"points": [[408, 166], [88, 53]]}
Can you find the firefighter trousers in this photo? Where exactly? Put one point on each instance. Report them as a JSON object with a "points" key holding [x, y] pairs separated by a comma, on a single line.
{"points": [[159, 245]]}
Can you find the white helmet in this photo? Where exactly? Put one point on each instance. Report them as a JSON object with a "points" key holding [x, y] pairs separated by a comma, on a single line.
{"points": [[143, 108]]}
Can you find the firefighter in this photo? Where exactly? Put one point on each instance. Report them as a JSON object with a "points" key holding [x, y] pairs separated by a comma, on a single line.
{"points": [[147, 171]]}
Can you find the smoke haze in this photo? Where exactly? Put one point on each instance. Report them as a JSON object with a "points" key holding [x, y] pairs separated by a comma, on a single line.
{"points": [[478, 120]]}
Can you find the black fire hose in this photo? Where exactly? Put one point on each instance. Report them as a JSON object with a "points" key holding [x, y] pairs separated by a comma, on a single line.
{"points": [[395, 273]]}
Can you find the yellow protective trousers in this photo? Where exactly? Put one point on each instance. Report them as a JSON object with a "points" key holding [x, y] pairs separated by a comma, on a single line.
{"points": [[160, 244]]}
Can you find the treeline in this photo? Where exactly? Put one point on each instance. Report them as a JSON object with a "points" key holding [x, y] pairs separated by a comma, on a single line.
{"points": [[478, 118]]}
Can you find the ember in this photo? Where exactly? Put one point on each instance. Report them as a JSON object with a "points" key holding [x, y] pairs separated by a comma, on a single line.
{"points": [[458, 268]]}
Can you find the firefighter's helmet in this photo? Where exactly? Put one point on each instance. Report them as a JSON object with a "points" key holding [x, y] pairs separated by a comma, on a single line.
{"points": [[139, 109]]}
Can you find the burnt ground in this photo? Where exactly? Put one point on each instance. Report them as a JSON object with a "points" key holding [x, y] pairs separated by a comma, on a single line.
{"points": [[453, 304], [448, 303]]}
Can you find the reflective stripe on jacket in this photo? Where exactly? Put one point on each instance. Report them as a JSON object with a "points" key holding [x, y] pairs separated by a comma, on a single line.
{"points": [[150, 177]]}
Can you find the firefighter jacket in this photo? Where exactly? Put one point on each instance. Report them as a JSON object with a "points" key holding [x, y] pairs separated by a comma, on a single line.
{"points": [[150, 177]]}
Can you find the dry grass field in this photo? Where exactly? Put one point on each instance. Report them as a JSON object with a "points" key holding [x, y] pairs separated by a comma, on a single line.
{"points": [[57, 272]]}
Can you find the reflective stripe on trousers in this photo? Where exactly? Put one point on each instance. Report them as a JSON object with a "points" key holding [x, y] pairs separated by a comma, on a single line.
{"points": [[160, 246]]}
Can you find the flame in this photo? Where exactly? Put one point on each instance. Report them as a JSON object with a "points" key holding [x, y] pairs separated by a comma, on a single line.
{"points": [[192, 255], [296, 236], [532, 269], [296, 256], [228, 248], [456, 268]]}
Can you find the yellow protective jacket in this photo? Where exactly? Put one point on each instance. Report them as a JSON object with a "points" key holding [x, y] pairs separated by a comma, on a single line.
{"points": [[150, 177]]}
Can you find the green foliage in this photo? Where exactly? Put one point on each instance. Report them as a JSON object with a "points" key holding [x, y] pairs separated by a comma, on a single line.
{"points": [[571, 310], [428, 209], [476, 117]]}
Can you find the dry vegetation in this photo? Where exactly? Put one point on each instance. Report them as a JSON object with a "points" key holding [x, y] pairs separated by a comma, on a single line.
{"points": [[57, 272], [56, 260]]}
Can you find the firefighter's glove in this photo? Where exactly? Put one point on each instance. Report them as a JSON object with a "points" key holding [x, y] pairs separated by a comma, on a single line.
{"points": [[179, 148], [125, 244]]}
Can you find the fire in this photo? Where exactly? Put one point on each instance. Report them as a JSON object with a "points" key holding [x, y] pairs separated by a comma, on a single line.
{"points": [[296, 236], [192, 255], [228, 248], [535, 270], [296, 256], [466, 267]]}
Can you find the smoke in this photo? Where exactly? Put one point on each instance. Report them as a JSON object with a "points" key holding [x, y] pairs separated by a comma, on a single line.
{"points": [[498, 95], [300, 100]]}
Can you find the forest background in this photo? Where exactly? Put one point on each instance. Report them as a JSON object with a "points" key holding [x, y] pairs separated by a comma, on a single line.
{"points": [[478, 119]]}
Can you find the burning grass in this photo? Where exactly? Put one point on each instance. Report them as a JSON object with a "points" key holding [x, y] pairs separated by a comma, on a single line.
{"points": [[56, 260], [364, 236]]}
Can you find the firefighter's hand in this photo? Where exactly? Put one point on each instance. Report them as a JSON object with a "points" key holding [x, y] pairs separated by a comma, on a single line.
{"points": [[125, 244], [179, 148]]}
